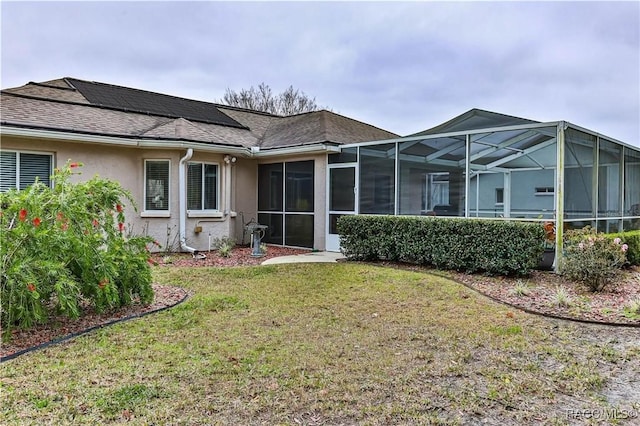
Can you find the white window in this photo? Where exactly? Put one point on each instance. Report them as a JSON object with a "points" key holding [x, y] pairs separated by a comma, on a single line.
{"points": [[544, 190], [499, 196], [156, 186], [437, 190], [202, 187], [21, 169]]}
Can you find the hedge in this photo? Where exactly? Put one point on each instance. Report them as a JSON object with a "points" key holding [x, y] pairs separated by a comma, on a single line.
{"points": [[469, 245]]}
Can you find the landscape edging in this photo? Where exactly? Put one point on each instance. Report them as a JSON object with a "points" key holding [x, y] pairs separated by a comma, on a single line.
{"points": [[90, 329], [543, 314]]}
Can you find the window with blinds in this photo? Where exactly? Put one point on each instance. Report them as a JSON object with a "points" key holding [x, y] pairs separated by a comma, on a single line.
{"points": [[156, 178], [202, 186], [21, 169]]}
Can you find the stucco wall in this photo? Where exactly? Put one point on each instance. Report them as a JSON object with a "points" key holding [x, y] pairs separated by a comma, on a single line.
{"points": [[126, 165], [245, 196]]}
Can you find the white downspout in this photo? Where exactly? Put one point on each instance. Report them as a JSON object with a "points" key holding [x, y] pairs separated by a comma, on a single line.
{"points": [[228, 160], [183, 201]]}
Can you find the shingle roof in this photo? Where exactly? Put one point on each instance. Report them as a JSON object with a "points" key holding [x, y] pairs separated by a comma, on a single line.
{"points": [[320, 127], [257, 122], [74, 105], [59, 90], [475, 119], [29, 112]]}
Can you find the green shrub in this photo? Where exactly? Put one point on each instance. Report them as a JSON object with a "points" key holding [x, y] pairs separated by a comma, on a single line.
{"points": [[493, 247], [224, 245], [67, 243], [632, 240], [591, 258]]}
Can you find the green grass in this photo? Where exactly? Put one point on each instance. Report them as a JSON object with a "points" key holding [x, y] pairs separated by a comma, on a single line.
{"points": [[319, 344]]}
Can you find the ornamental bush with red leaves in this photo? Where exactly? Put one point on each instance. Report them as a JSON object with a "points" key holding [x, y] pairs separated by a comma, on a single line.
{"points": [[63, 245]]}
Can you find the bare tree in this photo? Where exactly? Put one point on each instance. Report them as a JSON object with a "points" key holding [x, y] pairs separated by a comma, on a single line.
{"points": [[291, 101]]}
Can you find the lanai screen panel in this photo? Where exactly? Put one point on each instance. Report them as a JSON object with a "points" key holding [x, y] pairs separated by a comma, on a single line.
{"points": [[431, 176], [377, 179], [513, 173], [579, 160], [631, 189], [610, 162]]}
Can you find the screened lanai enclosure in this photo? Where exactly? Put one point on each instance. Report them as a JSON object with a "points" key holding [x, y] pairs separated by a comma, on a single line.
{"points": [[488, 165]]}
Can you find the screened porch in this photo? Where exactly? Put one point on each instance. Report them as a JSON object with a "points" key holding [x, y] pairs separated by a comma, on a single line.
{"points": [[488, 165]]}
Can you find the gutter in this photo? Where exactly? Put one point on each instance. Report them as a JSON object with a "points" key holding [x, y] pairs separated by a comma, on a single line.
{"points": [[121, 140], [183, 201], [253, 152], [257, 152]]}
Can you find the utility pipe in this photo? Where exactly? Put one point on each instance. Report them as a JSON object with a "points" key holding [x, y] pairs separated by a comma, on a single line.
{"points": [[183, 201]]}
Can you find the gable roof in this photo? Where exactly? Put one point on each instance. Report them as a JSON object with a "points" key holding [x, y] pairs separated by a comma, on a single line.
{"points": [[320, 127], [475, 119], [78, 106]]}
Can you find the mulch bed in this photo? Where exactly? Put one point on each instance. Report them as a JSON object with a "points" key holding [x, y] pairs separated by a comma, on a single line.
{"points": [[60, 327], [240, 256], [604, 307]]}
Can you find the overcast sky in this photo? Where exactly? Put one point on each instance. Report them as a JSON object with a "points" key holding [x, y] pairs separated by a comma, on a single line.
{"points": [[404, 67]]}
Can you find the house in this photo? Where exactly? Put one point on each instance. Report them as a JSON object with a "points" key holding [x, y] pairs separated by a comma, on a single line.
{"points": [[198, 171], [201, 171]]}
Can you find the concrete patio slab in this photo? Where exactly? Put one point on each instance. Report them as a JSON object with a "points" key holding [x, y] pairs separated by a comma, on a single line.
{"points": [[313, 257]]}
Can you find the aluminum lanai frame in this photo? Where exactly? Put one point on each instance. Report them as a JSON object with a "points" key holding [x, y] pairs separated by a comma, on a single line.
{"points": [[517, 133]]}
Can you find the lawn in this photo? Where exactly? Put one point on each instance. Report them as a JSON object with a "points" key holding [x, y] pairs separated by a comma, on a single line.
{"points": [[330, 344]]}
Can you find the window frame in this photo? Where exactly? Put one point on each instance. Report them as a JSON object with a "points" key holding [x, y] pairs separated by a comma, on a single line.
{"points": [[205, 212], [544, 191], [18, 152], [283, 215], [156, 212], [499, 197]]}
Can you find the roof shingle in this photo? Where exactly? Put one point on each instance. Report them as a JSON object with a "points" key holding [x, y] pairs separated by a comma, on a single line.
{"points": [[74, 105]]}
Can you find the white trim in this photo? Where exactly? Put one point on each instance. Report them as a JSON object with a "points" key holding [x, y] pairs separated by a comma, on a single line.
{"points": [[120, 140], [155, 213], [196, 146], [252, 152], [62, 135], [332, 241], [450, 134], [305, 149], [206, 213]]}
